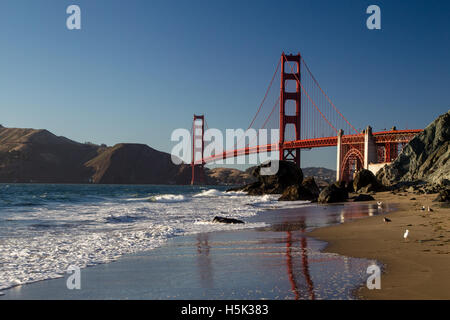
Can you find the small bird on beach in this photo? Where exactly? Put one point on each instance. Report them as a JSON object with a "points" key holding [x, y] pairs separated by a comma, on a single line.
{"points": [[429, 209], [386, 220], [423, 208], [405, 235], [379, 203]]}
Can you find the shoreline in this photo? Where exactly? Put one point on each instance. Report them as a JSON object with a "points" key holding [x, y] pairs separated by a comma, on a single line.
{"points": [[417, 268], [271, 264], [192, 259]]}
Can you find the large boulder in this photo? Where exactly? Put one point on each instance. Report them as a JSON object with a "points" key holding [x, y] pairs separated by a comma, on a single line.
{"points": [[308, 190], [293, 193], [288, 174], [443, 196], [365, 179], [337, 192], [310, 184], [370, 188], [424, 158], [349, 186], [227, 220]]}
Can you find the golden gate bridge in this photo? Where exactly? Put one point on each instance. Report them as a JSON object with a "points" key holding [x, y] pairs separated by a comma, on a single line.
{"points": [[307, 119]]}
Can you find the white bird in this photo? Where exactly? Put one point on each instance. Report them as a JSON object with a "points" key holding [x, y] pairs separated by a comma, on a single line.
{"points": [[379, 203], [429, 209], [423, 208], [405, 235]]}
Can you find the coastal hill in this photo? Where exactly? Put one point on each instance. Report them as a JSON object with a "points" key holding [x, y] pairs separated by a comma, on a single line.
{"points": [[128, 163], [29, 155], [39, 156]]}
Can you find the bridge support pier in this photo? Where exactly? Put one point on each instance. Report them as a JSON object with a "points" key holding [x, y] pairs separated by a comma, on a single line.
{"points": [[370, 149], [339, 155], [354, 154]]}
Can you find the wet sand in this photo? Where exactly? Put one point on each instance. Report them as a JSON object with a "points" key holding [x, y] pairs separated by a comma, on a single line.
{"points": [[280, 261], [418, 268]]}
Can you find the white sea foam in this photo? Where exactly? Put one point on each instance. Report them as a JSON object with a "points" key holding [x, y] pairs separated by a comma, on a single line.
{"points": [[218, 193], [209, 193], [168, 198], [86, 234]]}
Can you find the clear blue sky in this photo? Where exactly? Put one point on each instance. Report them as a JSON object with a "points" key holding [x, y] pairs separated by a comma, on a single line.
{"points": [[139, 69]]}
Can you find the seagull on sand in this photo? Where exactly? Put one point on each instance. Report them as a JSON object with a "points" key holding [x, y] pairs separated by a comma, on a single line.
{"points": [[386, 220], [405, 235], [429, 209], [423, 208], [379, 203]]}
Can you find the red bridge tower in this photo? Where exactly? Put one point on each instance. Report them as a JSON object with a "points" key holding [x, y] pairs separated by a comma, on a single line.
{"points": [[286, 118], [198, 147]]}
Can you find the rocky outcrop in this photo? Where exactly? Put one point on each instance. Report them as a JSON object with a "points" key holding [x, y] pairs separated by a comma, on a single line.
{"points": [[308, 191], [293, 193], [288, 174], [424, 158], [309, 183], [227, 220], [443, 196], [287, 181], [336, 192], [365, 181], [420, 187], [349, 186]]}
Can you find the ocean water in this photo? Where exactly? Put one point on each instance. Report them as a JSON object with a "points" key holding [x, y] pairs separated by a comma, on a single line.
{"points": [[45, 228]]}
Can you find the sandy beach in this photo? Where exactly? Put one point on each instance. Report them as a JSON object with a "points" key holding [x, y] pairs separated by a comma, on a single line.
{"points": [[418, 268], [280, 261]]}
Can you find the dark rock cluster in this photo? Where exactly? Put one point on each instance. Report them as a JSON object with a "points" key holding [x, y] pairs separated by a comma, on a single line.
{"points": [[420, 187], [365, 182], [307, 190], [288, 174], [227, 220], [336, 192], [287, 181], [443, 196]]}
